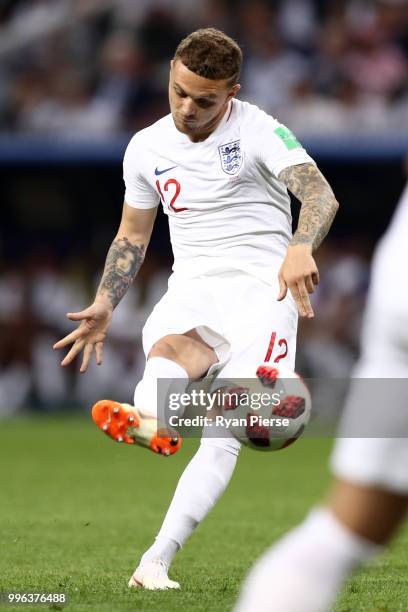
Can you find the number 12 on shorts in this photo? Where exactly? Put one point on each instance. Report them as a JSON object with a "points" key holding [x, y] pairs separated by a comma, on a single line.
{"points": [[282, 344]]}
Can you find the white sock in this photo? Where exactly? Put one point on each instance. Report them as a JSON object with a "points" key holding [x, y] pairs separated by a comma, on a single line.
{"points": [[304, 571], [162, 548], [170, 373], [199, 488]]}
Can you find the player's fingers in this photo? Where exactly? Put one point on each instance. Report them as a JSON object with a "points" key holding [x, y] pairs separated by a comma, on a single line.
{"points": [[304, 296], [86, 358], [310, 286], [295, 293], [80, 316], [316, 277], [283, 289], [72, 337], [99, 352], [78, 346]]}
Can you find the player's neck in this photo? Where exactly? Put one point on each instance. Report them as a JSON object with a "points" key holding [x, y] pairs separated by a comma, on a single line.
{"points": [[212, 127]]}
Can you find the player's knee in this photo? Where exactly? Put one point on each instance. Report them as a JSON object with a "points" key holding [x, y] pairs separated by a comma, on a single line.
{"points": [[164, 348], [187, 352], [174, 352]]}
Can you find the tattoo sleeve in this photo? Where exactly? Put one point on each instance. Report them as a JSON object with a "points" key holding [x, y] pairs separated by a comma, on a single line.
{"points": [[318, 203], [122, 264]]}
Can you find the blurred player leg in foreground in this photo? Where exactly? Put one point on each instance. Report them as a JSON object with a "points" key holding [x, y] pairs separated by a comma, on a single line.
{"points": [[305, 570]]}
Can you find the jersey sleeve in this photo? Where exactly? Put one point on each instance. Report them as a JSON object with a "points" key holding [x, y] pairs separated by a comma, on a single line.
{"points": [[277, 146], [138, 192]]}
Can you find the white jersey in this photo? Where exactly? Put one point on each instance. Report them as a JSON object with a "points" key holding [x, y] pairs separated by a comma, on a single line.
{"points": [[226, 207]]}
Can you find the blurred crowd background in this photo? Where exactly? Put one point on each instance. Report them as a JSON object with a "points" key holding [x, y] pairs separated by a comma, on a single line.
{"points": [[100, 66], [89, 71]]}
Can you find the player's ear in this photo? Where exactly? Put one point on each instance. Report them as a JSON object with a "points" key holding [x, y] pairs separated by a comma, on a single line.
{"points": [[234, 90]]}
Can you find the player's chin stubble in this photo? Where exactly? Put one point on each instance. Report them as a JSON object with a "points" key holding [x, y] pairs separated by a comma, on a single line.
{"points": [[188, 129], [196, 129]]}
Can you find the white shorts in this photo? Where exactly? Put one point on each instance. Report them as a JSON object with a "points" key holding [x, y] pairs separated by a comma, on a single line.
{"points": [[383, 460], [373, 462], [235, 313]]}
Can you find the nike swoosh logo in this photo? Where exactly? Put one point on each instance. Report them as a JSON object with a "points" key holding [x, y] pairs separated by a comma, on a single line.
{"points": [[159, 172]]}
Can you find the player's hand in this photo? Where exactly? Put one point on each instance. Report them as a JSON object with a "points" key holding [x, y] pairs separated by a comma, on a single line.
{"points": [[300, 275], [88, 336]]}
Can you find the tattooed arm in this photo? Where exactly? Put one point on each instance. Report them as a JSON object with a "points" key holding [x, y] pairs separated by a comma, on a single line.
{"points": [[319, 206], [126, 254], [299, 272], [123, 262]]}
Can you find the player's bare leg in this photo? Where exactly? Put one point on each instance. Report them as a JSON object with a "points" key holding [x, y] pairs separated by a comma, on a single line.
{"points": [[188, 350], [370, 512]]}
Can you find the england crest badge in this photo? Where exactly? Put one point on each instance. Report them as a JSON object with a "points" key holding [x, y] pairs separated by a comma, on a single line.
{"points": [[231, 157]]}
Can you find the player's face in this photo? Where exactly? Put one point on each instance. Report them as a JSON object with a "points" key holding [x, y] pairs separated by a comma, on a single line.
{"points": [[196, 103]]}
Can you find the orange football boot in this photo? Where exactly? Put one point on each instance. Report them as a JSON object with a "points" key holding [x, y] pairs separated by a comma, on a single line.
{"points": [[123, 423]]}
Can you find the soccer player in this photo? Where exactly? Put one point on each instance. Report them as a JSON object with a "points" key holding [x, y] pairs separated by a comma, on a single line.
{"points": [[221, 169], [304, 571]]}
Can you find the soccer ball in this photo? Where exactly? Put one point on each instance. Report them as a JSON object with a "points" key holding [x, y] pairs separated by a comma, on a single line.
{"points": [[268, 408]]}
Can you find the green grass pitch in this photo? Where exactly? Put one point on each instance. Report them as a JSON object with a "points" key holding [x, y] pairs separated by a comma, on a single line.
{"points": [[77, 511]]}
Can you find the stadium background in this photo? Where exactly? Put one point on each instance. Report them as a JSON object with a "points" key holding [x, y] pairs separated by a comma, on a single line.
{"points": [[77, 78]]}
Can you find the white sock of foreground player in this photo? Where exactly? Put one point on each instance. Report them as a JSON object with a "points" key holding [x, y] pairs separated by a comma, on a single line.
{"points": [[199, 488], [304, 571], [171, 373]]}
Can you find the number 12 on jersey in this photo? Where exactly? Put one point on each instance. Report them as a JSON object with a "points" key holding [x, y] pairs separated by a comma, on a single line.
{"points": [[176, 188]]}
